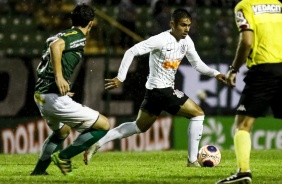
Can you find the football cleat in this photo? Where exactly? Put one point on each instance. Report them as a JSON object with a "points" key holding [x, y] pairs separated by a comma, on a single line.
{"points": [[36, 173], [90, 152], [63, 164], [193, 164], [239, 177]]}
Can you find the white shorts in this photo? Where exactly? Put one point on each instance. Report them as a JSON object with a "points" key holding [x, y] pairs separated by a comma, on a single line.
{"points": [[59, 110]]}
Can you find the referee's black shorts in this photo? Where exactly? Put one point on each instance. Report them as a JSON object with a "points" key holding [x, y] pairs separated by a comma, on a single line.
{"points": [[263, 90], [167, 99]]}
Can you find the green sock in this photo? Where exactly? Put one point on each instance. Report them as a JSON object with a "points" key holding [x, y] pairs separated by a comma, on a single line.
{"points": [[51, 145], [82, 142], [41, 167]]}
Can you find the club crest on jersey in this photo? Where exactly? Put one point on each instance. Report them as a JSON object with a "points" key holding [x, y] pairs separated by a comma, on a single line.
{"points": [[182, 49], [178, 93]]}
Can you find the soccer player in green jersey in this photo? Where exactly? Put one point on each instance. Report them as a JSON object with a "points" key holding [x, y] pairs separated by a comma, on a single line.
{"points": [[260, 25], [52, 95]]}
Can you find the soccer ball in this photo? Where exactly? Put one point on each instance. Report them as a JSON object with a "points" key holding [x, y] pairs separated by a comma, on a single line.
{"points": [[209, 156]]}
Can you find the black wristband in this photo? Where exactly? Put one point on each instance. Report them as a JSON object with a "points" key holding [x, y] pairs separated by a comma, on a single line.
{"points": [[232, 69]]}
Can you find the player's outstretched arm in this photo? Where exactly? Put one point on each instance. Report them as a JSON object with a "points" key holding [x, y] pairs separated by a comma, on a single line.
{"points": [[112, 83]]}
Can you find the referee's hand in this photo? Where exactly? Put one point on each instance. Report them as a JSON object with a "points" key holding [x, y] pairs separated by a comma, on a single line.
{"points": [[231, 79]]}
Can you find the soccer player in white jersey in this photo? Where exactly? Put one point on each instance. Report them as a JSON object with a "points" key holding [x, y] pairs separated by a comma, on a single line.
{"points": [[166, 49]]}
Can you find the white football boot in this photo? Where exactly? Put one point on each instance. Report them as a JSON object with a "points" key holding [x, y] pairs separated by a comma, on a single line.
{"points": [[193, 164], [90, 152]]}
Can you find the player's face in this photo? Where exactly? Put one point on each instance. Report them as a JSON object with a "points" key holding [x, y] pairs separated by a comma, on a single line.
{"points": [[181, 29]]}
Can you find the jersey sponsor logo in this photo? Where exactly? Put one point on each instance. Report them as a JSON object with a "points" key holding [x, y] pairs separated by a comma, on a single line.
{"points": [[80, 40], [70, 33], [78, 43], [266, 8], [241, 20], [171, 64]]}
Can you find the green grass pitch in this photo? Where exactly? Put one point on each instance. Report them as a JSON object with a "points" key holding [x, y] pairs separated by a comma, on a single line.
{"points": [[157, 167]]}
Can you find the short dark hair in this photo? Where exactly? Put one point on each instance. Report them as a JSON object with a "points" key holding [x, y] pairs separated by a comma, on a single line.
{"points": [[179, 14], [82, 15]]}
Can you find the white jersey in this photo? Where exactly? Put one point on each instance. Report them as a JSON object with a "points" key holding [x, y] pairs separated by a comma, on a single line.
{"points": [[166, 53]]}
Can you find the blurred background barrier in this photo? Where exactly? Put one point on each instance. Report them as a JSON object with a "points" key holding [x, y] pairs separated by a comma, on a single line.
{"points": [[25, 25], [30, 134], [219, 131], [165, 134], [18, 78]]}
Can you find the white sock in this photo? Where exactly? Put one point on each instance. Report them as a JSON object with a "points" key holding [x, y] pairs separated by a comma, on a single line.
{"points": [[195, 130], [123, 130]]}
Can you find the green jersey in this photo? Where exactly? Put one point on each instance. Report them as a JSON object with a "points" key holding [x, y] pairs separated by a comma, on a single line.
{"points": [[74, 45]]}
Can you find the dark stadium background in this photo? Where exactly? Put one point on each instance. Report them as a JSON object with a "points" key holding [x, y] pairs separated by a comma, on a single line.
{"points": [[24, 26]]}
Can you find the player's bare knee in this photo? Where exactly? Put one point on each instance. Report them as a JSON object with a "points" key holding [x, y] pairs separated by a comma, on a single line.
{"points": [[200, 113], [106, 126], [63, 132], [245, 126], [102, 123]]}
